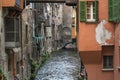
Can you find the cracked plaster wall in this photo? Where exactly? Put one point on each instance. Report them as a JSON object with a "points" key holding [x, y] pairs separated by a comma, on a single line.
{"points": [[102, 34]]}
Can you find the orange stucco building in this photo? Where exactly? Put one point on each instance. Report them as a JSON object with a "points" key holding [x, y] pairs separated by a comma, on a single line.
{"points": [[98, 40]]}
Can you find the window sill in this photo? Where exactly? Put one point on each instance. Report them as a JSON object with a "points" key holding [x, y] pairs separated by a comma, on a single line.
{"points": [[119, 67], [108, 69], [91, 21]]}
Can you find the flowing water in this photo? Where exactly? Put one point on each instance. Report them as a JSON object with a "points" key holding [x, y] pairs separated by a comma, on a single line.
{"points": [[62, 65]]}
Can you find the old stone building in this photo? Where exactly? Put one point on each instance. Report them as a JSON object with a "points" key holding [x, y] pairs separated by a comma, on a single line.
{"points": [[10, 47], [27, 31]]}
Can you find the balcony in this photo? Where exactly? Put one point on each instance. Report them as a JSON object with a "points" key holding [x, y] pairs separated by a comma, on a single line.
{"points": [[11, 32]]}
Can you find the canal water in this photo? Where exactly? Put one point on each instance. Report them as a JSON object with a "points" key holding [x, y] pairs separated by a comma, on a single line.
{"points": [[62, 65]]}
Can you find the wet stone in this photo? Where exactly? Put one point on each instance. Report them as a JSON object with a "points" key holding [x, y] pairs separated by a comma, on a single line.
{"points": [[62, 65]]}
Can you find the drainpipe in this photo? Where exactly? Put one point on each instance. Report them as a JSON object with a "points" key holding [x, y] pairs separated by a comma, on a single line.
{"points": [[0, 31], [1, 24], [33, 24]]}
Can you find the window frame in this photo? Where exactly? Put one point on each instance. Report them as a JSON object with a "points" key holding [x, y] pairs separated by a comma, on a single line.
{"points": [[83, 11], [107, 66], [92, 6]]}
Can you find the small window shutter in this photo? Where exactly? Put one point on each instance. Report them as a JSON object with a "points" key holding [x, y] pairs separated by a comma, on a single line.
{"points": [[96, 10], [119, 9], [110, 10], [82, 11], [115, 10]]}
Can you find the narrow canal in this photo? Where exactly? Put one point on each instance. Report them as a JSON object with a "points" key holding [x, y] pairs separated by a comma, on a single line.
{"points": [[62, 65]]}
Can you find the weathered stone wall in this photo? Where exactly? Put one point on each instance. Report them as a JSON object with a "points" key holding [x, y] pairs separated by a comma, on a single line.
{"points": [[27, 41], [52, 14], [3, 56]]}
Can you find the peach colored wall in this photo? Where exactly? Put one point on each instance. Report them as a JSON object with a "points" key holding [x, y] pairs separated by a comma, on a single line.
{"points": [[91, 57], [95, 72], [107, 50], [93, 64], [87, 35], [117, 53]]}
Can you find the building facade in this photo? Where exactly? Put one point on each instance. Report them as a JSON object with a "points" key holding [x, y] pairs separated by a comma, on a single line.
{"points": [[10, 47], [98, 38]]}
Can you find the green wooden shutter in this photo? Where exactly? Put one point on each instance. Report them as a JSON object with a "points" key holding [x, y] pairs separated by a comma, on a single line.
{"points": [[82, 11], [96, 10], [115, 10], [119, 10], [110, 10]]}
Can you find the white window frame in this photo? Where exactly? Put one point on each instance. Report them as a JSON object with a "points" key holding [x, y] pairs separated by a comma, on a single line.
{"points": [[91, 13]]}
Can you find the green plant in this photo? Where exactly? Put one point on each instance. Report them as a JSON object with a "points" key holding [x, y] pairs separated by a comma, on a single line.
{"points": [[35, 65], [44, 57], [2, 73], [27, 78]]}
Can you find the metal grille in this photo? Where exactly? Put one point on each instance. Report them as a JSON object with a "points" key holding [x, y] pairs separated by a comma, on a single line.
{"points": [[11, 29]]}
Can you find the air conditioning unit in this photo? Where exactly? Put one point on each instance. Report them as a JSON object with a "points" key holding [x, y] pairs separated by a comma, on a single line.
{"points": [[12, 32]]}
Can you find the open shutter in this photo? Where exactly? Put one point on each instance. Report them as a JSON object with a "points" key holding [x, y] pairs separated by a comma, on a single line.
{"points": [[82, 11], [115, 10], [119, 10], [96, 10], [110, 10]]}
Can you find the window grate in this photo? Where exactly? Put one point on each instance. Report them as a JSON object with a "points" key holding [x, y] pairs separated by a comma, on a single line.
{"points": [[107, 62], [11, 29]]}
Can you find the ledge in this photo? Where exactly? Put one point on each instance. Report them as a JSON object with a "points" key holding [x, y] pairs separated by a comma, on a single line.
{"points": [[119, 67], [108, 69]]}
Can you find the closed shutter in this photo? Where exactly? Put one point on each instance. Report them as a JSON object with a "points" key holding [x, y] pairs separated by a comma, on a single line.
{"points": [[110, 10], [96, 10], [82, 11], [115, 10]]}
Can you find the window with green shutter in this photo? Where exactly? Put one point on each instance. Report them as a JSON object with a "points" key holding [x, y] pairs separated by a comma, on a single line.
{"points": [[89, 11]]}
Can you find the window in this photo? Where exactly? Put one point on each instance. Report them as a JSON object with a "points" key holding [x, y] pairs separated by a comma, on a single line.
{"points": [[12, 29], [107, 62], [89, 11], [26, 34]]}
